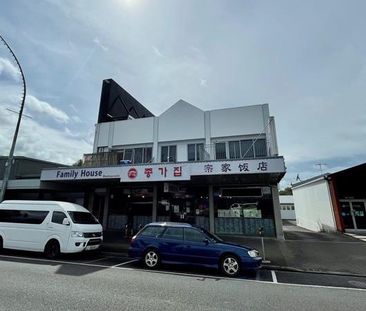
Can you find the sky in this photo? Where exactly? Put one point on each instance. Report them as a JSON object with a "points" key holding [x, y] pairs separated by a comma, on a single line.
{"points": [[306, 59]]}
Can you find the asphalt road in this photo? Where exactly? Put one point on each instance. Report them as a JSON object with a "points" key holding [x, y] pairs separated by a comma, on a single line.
{"points": [[30, 282]]}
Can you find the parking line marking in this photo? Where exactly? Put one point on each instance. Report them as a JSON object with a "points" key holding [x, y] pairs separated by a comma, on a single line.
{"points": [[124, 263], [184, 274], [95, 260], [274, 277]]}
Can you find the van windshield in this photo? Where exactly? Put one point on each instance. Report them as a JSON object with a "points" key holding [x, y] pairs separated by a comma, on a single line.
{"points": [[83, 218]]}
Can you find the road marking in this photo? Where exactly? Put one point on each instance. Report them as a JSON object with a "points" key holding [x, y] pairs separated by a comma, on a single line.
{"points": [[274, 277], [95, 260], [125, 263], [182, 273]]}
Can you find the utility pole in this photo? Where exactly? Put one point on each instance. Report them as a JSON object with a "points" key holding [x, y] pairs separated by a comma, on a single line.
{"points": [[10, 160]]}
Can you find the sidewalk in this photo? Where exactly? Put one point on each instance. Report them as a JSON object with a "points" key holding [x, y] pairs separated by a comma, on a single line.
{"points": [[301, 251]]}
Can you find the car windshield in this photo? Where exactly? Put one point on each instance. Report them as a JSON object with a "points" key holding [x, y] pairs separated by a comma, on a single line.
{"points": [[83, 218], [212, 236]]}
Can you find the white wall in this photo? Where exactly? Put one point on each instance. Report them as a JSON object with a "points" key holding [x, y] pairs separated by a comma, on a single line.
{"points": [[314, 209], [127, 132], [182, 121], [239, 121]]}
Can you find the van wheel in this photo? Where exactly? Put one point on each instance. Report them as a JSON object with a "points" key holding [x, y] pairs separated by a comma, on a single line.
{"points": [[52, 249]]}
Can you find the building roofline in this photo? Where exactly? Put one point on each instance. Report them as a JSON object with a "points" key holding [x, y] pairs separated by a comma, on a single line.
{"points": [[36, 160], [310, 180]]}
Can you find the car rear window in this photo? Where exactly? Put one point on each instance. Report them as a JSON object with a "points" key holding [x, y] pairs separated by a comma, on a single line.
{"points": [[152, 231], [173, 233]]}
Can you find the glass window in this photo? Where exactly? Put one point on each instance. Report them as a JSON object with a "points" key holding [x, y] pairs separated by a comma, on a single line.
{"points": [[164, 154], [220, 151], [137, 156], [234, 150], [168, 153], [128, 154], [23, 217], [247, 150], [152, 231], [147, 155], [195, 152], [58, 217], [260, 148], [120, 155], [193, 235], [172, 154], [173, 233], [191, 152], [83, 218], [200, 152]]}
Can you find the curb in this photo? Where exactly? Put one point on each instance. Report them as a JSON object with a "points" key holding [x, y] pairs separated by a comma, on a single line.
{"points": [[292, 269]]}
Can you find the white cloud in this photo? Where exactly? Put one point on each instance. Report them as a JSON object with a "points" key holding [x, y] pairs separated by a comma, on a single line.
{"points": [[203, 82], [157, 52], [76, 119], [41, 142], [98, 43], [8, 70], [36, 105]]}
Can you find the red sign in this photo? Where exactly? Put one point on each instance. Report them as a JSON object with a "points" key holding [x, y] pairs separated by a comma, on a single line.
{"points": [[132, 173]]}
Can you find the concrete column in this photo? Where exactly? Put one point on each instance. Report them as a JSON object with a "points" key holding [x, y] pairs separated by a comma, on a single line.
{"points": [[155, 203], [208, 147], [155, 149], [277, 213], [211, 209], [90, 201], [106, 209]]}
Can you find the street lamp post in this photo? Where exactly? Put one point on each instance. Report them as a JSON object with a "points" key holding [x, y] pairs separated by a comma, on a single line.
{"points": [[9, 162]]}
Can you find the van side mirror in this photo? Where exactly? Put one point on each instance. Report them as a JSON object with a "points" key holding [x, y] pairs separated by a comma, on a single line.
{"points": [[66, 222]]}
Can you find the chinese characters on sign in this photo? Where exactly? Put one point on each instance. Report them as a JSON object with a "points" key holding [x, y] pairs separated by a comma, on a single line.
{"points": [[225, 167], [262, 166], [208, 168], [243, 167]]}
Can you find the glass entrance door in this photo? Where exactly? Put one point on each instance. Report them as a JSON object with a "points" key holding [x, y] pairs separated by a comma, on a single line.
{"points": [[359, 213], [347, 215], [354, 214]]}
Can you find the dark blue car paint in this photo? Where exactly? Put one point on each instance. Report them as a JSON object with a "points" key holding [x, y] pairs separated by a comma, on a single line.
{"points": [[206, 253]]}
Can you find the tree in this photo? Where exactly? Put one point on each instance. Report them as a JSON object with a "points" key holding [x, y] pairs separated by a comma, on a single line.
{"points": [[78, 163], [286, 191]]}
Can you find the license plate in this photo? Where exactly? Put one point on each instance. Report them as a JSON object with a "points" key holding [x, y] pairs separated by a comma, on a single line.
{"points": [[88, 248]]}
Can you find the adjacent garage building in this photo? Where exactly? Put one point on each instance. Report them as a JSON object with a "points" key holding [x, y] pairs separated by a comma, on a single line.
{"points": [[332, 202]]}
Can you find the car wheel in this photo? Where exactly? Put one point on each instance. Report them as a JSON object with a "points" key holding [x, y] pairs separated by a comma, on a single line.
{"points": [[230, 265], [151, 259], [52, 249], [1, 244]]}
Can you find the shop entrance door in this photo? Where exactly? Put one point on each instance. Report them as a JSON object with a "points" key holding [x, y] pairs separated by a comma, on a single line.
{"points": [[354, 214]]}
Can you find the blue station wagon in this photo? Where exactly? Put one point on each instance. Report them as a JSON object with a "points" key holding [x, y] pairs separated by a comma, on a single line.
{"points": [[181, 243]]}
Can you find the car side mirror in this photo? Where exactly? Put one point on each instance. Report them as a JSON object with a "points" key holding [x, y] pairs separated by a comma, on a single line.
{"points": [[206, 241], [66, 222]]}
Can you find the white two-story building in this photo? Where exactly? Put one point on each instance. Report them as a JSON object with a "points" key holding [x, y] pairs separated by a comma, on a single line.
{"points": [[218, 169]]}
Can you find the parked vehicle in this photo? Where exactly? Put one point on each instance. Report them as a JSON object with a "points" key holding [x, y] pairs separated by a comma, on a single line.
{"points": [[51, 227], [181, 243]]}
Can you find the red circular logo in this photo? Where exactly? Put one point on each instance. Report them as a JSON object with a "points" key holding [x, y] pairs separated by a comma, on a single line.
{"points": [[132, 173]]}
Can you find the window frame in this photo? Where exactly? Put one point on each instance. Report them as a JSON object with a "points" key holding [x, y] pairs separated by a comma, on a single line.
{"points": [[53, 214], [196, 152], [169, 154]]}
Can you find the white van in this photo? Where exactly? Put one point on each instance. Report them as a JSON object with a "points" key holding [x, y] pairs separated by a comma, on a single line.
{"points": [[51, 227]]}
